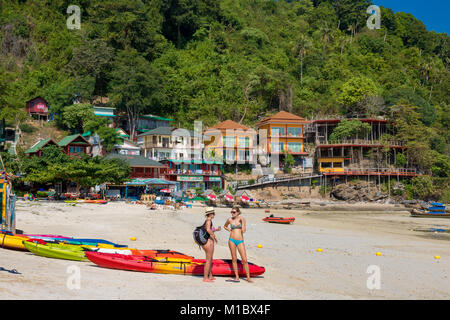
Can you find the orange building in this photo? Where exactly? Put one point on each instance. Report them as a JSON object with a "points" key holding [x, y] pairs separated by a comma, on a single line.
{"points": [[284, 132], [230, 142]]}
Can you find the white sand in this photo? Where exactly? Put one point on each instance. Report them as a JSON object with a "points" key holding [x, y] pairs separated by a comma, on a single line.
{"points": [[294, 269]]}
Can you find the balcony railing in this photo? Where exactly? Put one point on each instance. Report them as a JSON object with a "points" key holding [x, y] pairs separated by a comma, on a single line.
{"points": [[392, 143], [373, 171], [194, 172], [134, 175]]}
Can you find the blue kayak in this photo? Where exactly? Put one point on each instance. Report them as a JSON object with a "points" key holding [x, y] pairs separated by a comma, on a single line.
{"points": [[90, 242]]}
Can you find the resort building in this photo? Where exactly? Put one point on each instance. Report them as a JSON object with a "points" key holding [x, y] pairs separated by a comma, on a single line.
{"points": [[230, 142], [75, 145], [36, 149], [366, 155], [147, 176], [146, 122], [171, 143], [127, 147], [105, 112], [38, 108], [150, 121], [282, 133], [141, 167], [191, 174]]}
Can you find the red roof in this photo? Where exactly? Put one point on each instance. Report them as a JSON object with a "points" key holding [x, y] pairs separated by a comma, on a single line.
{"points": [[229, 124], [282, 117]]}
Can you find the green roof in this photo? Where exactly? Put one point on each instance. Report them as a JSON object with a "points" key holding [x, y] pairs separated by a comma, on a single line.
{"points": [[135, 161], [38, 146], [152, 117], [105, 115], [66, 140]]}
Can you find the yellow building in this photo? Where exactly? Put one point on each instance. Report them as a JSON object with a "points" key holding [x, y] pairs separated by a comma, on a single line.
{"points": [[284, 133], [331, 165], [229, 141]]}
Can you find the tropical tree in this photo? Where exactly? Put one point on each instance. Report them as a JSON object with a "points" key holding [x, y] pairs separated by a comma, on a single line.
{"points": [[135, 86]]}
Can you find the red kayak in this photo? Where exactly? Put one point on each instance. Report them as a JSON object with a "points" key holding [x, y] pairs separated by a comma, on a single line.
{"points": [[279, 220], [169, 265]]}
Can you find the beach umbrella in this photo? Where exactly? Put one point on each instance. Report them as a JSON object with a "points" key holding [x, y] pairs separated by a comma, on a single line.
{"points": [[229, 198], [245, 198], [211, 197], [165, 190]]}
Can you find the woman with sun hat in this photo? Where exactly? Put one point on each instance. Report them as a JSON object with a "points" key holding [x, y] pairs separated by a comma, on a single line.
{"points": [[209, 239]]}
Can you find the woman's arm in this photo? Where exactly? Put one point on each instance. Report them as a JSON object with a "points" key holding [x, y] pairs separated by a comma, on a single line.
{"points": [[208, 229], [243, 225], [225, 226]]}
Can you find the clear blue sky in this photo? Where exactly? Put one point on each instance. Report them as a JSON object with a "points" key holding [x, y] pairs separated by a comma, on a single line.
{"points": [[435, 14]]}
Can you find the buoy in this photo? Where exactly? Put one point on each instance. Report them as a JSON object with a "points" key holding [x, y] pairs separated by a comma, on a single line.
{"points": [[133, 239], [437, 257], [319, 250], [259, 246], [378, 253]]}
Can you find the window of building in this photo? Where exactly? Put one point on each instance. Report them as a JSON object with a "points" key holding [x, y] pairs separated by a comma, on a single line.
{"points": [[337, 165], [295, 146], [228, 141], [294, 132], [244, 155], [244, 142], [229, 155], [277, 131], [326, 165], [277, 147], [75, 149]]}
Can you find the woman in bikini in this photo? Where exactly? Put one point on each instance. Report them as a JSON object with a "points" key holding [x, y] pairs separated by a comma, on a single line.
{"points": [[236, 226], [209, 246]]}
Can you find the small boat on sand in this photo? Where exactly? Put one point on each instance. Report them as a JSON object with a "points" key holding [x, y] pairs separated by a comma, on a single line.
{"points": [[436, 210], [273, 219]]}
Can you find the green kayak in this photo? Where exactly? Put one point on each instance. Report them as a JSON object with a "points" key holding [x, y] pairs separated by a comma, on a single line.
{"points": [[58, 251]]}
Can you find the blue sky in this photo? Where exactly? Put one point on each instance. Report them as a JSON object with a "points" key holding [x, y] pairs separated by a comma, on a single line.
{"points": [[435, 14]]}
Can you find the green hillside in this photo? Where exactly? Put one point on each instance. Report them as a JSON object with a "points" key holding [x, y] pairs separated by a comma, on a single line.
{"points": [[213, 60]]}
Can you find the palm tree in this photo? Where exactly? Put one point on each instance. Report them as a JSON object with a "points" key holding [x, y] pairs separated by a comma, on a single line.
{"points": [[251, 83], [301, 47]]}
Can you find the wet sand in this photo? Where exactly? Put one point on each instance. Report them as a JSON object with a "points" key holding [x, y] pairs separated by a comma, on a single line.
{"points": [[348, 237]]}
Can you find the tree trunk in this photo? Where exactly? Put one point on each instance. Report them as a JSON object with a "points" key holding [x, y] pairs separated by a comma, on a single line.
{"points": [[301, 70]]}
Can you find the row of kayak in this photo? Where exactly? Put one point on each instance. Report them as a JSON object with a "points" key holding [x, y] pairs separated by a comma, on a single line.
{"points": [[110, 255]]}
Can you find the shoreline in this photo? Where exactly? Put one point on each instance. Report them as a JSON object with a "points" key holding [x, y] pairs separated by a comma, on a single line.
{"points": [[294, 269]]}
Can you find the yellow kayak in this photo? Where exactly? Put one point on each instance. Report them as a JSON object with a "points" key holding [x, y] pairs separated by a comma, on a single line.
{"points": [[12, 242], [16, 242]]}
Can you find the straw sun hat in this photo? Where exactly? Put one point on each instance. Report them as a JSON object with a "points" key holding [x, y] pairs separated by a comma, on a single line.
{"points": [[209, 210]]}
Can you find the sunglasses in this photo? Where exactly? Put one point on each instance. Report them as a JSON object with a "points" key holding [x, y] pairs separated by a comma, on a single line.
{"points": [[233, 211]]}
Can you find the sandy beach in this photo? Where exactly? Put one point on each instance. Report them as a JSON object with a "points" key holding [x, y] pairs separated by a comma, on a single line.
{"points": [[348, 237]]}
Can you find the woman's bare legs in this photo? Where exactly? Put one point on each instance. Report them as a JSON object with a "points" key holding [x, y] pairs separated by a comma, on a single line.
{"points": [[243, 254], [209, 251], [234, 259]]}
